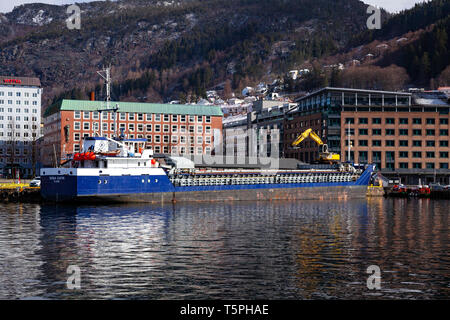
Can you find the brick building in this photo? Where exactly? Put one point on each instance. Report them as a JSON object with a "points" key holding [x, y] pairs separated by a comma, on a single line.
{"points": [[405, 134], [168, 128]]}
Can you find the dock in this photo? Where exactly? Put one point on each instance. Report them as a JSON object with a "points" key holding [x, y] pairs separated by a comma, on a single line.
{"points": [[19, 192]]}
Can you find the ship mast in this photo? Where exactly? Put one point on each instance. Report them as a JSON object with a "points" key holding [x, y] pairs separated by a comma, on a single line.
{"points": [[106, 75]]}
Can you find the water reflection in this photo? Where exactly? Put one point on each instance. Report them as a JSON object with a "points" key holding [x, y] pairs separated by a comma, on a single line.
{"points": [[277, 250]]}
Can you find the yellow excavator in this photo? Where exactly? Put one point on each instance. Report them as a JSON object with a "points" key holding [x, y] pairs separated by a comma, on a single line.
{"points": [[324, 155]]}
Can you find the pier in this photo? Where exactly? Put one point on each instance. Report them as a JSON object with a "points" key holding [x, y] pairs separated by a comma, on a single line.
{"points": [[19, 192]]}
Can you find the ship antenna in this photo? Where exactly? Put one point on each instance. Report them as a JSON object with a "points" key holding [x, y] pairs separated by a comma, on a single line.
{"points": [[106, 75]]}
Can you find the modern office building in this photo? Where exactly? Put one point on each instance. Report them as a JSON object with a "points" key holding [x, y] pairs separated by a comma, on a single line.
{"points": [[405, 134], [168, 128], [20, 125]]}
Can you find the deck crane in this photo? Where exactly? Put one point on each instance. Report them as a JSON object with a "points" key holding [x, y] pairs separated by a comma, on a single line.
{"points": [[324, 154]]}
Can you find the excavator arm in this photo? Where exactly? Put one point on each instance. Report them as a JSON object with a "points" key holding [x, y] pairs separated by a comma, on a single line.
{"points": [[306, 134], [301, 137]]}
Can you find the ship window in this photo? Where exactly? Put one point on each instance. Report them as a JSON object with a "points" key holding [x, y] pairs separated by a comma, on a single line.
{"points": [[143, 181], [105, 164], [139, 164], [156, 180], [106, 181], [99, 181]]}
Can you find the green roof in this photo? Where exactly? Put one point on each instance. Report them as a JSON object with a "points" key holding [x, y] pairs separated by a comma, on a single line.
{"points": [[137, 107]]}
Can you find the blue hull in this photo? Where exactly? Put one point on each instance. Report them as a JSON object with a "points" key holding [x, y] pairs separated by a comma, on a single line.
{"points": [[151, 188]]}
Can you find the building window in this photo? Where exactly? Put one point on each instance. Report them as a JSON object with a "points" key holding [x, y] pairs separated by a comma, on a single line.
{"points": [[443, 121], [149, 138], [157, 149], [417, 132], [157, 117], [76, 147], [390, 132], [350, 120], [417, 154], [403, 132], [430, 121], [417, 165], [403, 120], [363, 156], [148, 117], [207, 129], [76, 125], [443, 143], [76, 136], [199, 139], [376, 143], [149, 128], [166, 118], [390, 121], [404, 165], [390, 143], [86, 115], [140, 127], [131, 116], [430, 165], [403, 143], [363, 143], [140, 117], [86, 125], [430, 132], [157, 128], [157, 139], [183, 118], [183, 139], [431, 143], [376, 132], [166, 128], [77, 115], [123, 116], [376, 120], [207, 119], [443, 154], [199, 129], [443, 132], [166, 139], [363, 132], [131, 127], [443, 165], [417, 143], [174, 118], [417, 121], [174, 128], [403, 154]]}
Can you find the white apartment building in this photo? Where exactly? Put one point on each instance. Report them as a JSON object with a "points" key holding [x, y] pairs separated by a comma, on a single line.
{"points": [[20, 125]]}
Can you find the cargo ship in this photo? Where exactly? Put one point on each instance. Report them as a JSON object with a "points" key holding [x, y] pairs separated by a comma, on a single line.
{"points": [[123, 170]]}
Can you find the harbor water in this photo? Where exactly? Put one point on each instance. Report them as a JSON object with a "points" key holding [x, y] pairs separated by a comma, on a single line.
{"points": [[240, 250]]}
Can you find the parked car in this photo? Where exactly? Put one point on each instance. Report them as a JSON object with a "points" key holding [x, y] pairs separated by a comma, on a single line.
{"points": [[36, 182]]}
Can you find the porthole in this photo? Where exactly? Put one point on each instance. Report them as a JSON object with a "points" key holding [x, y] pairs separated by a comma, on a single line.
{"points": [[148, 180], [156, 180], [99, 181], [143, 181], [106, 181]]}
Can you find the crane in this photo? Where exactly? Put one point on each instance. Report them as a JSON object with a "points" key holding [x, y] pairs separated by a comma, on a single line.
{"points": [[324, 154]]}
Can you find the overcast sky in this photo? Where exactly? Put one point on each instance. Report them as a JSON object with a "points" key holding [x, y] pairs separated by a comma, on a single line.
{"points": [[390, 5]]}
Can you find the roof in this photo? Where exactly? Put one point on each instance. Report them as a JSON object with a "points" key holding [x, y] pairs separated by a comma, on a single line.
{"points": [[20, 81], [354, 91], [137, 107]]}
